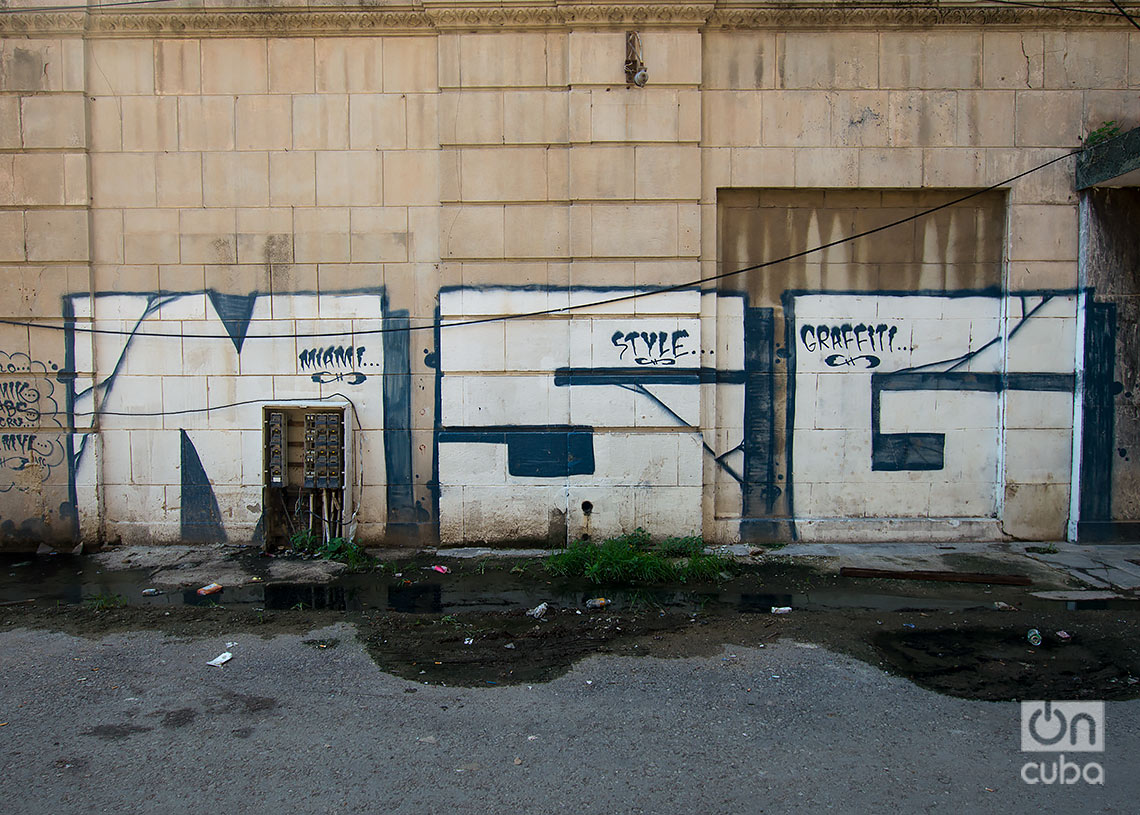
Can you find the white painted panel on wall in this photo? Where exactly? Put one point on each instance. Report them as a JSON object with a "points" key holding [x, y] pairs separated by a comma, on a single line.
{"points": [[195, 373], [604, 402], [898, 398]]}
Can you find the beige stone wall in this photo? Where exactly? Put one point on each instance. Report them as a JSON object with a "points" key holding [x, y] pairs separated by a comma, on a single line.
{"points": [[151, 181], [44, 255]]}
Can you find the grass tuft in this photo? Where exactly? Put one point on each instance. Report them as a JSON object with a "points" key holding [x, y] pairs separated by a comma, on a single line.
{"points": [[629, 559]]}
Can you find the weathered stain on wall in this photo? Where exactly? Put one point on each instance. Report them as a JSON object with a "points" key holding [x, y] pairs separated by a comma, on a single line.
{"points": [[1110, 503]]}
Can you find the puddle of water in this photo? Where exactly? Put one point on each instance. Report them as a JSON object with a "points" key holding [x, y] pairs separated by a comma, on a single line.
{"points": [[448, 629], [68, 580]]}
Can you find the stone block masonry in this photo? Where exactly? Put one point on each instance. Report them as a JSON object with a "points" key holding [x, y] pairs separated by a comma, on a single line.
{"points": [[206, 211]]}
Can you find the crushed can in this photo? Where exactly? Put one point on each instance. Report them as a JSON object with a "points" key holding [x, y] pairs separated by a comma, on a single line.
{"points": [[597, 602]]}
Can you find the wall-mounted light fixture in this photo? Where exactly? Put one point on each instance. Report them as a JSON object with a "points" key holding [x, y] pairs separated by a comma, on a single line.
{"points": [[635, 71]]}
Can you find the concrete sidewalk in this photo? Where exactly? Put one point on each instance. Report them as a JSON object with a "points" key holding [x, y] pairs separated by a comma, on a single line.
{"points": [[1107, 567], [1114, 568], [1104, 567]]}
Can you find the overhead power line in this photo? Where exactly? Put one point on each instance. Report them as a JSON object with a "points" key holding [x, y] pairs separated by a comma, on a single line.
{"points": [[622, 298]]}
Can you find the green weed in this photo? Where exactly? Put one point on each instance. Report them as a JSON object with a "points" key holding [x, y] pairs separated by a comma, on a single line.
{"points": [[702, 568], [105, 602], [628, 559], [1107, 131], [304, 540], [682, 547], [342, 550], [347, 552]]}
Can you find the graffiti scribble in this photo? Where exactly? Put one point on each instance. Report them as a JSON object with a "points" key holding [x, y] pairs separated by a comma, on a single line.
{"points": [[325, 377], [27, 402], [652, 347], [840, 361]]}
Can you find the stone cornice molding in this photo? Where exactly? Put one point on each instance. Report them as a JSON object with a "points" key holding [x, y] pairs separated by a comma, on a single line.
{"points": [[879, 15], [450, 15], [447, 14]]}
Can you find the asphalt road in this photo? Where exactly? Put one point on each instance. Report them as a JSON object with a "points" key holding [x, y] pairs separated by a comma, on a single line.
{"points": [[139, 723]]}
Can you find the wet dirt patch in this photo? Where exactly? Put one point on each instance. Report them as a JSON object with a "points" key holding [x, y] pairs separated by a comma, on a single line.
{"points": [[505, 647], [470, 627], [998, 665]]}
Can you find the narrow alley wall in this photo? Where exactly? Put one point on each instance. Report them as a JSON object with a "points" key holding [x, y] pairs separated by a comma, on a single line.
{"points": [[205, 213]]}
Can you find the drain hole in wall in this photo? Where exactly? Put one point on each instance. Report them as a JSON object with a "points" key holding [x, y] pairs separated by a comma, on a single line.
{"points": [[587, 507]]}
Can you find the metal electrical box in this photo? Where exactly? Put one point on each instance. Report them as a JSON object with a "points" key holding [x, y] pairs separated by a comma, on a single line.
{"points": [[324, 451], [307, 469], [275, 475]]}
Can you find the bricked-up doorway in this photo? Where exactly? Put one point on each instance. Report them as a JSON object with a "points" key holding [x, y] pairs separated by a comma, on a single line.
{"points": [[879, 370]]}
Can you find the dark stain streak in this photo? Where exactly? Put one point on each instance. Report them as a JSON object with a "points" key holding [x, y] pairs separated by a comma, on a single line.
{"points": [[179, 718], [241, 703], [115, 732]]}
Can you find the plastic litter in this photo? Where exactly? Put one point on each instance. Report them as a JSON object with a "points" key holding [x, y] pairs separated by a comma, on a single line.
{"points": [[151, 592], [781, 609], [1034, 637], [1000, 606], [441, 569], [908, 625], [210, 588], [510, 646], [221, 659], [1064, 636], [469, 641], [597, 602], [537, 611], [518, 761]]}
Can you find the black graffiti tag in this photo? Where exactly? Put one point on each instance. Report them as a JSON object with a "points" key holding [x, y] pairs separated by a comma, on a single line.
{"points": [[652, 347], [19, 403], [848, 337], [853, 342], [334, 356]]}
